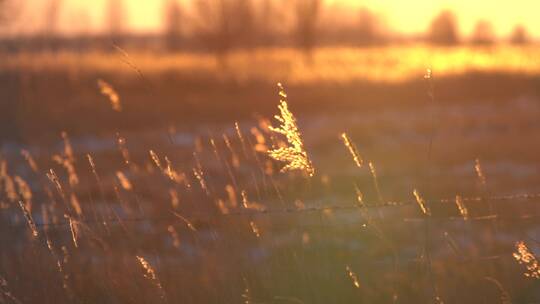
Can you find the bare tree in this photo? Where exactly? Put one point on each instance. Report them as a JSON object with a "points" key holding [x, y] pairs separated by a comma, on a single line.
{"points": [[173, 17], [11, 12], [3, 11], [50, 28], [224, 24], [307, 13], [213, 25], [265, 19], [443, 29], [52, 13], [519, 35], [369, 28], [483, 33], [244, 26], [115, 19]]}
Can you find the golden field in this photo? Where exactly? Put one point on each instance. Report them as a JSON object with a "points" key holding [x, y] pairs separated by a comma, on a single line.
{"points": [[334, 65], [147, 177]]}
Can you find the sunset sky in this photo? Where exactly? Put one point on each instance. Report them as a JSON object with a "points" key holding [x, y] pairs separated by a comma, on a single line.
{"points": [[411, 16]]}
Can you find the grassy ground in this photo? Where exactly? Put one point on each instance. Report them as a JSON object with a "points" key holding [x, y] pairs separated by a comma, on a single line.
{"points": [[46, 93], [196, 217]]}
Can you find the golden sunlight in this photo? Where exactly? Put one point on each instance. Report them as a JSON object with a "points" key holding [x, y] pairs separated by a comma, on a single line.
{"points": [[410, 17], [269, 151]]}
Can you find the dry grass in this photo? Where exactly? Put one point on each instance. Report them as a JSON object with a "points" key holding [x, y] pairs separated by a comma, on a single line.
{"points": [[108, 91], [108, 228], [524, 256], [294, 155], [215, 216], [353, 150]]}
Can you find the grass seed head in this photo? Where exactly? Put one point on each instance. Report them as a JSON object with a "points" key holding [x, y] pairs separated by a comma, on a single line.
{"points": [[294, 154]]}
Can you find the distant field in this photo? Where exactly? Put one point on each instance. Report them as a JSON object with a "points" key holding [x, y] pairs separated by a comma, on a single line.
{"points": [[333, 65], [46, 93], [164, 189]]}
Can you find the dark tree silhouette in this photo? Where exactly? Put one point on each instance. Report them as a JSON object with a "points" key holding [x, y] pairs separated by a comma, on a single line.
{"points": [[10, 16], [265, 20], [307, 13], [50, 29], [443, 29], [483, 33], [115, 19], [10, 10], [519, 35], [213, 25], [173, 17], [3, 11], [224, 24], [52, 11], [11, 83], [244, 27], [368, 28]]}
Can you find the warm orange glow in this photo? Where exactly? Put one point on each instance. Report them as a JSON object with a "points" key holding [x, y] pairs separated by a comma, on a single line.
{"points": [[404, 16], [414, 16], [391, 64]]}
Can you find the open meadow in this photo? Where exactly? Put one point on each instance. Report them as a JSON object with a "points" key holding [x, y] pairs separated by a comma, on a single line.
{"points": [[143, 177]]}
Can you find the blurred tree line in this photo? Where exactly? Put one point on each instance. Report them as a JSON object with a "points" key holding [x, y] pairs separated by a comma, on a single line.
{"points": [[222, 25], [444, 30]]}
